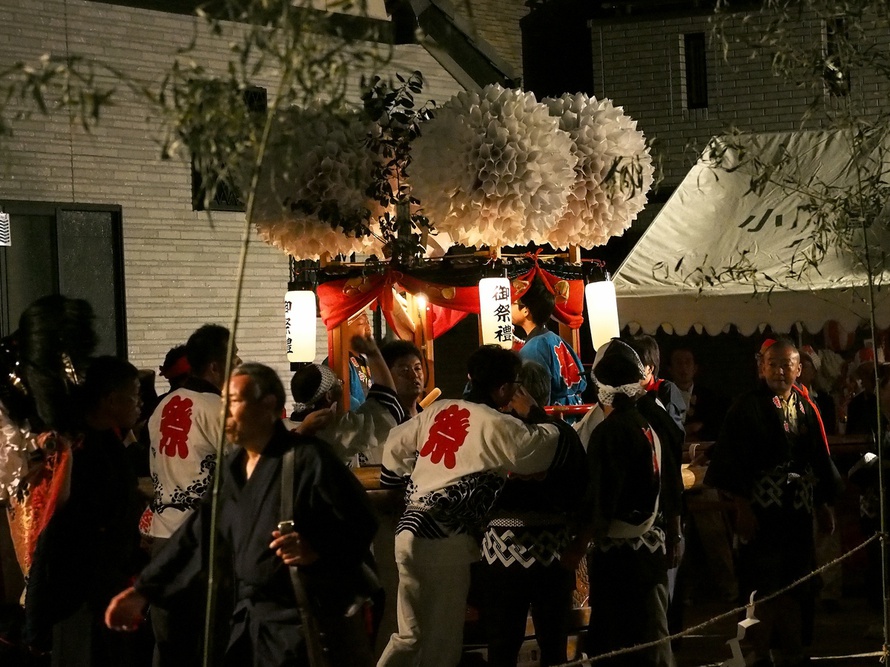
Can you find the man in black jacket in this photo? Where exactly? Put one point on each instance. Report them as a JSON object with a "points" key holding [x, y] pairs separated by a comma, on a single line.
{"points": [[632, 512], [772, 459], [333, 529]]}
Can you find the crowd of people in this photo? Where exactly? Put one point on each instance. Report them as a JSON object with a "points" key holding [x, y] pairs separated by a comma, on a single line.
{"points": [[501, 502]]}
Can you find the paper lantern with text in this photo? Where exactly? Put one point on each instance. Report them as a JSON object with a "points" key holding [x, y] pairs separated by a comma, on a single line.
{"points": [[300, 324], [494, 312]]}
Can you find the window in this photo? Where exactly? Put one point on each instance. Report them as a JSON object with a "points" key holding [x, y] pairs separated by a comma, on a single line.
{"points": [[695, 71], [227, 197], [48, 247], [835, 71]]}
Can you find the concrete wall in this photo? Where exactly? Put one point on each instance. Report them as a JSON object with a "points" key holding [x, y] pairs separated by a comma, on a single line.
{"points": [[179, 265]]}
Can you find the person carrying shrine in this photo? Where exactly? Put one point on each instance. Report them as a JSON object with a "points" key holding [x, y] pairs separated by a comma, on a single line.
{"points": [[530, 313], [532, 522], [772, 459], [356, 435], [454, 457]]}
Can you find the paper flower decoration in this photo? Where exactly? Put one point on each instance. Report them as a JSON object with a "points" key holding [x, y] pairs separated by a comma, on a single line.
{"points": [[612, 176], [316, 162], [493, 168]]}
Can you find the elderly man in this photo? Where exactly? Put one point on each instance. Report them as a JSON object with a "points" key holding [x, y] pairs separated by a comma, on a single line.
{"points": [[772, 459], [333, 527]]}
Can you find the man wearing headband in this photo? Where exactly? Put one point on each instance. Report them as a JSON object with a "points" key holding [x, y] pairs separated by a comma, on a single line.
{"points": [[362, 430], [184, 431], [632, 515], [772, 459]]}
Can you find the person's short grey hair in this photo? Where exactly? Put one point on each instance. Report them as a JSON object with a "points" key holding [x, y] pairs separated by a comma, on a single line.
{"points": [[265, 382], [536, 380]]}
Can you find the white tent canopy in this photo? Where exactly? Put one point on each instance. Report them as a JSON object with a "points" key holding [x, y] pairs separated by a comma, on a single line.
{"points": [[719, 254]]}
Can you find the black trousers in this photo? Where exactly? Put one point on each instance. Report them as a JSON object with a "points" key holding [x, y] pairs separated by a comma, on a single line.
{"points": [[628, 606], [508, 592], [178, 629]]}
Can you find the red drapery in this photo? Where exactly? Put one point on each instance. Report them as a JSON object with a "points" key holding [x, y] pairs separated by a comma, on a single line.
{"points": [[341, 298]]}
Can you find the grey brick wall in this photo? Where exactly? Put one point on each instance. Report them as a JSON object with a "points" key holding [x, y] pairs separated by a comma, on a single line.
{"points": [[179, 268], [639, 65], [497, 22]]}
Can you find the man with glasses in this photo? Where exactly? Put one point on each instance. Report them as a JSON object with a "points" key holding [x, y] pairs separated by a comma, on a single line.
{"points": [[405, 362]]}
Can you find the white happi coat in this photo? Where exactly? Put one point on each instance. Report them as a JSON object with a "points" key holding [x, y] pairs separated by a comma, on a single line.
{"points": [[184, 430], [456, 455]]}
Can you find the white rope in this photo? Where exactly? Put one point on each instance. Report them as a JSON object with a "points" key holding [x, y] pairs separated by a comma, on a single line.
{"points": [[730, 614]]}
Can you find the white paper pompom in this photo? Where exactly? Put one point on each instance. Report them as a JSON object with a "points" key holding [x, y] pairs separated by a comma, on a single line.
{"points": [[315, 159], [604, 140], [493, 168]]}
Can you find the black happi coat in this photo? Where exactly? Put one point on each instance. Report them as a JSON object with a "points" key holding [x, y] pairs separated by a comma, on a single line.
{"points": [[331, 512], [625, 574], [622, 482], [784, 476], [90, 548]]}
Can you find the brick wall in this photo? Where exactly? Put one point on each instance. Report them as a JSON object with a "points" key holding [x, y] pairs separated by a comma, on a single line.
{"points": [[639, 65], [497, 22], [179, 267]]}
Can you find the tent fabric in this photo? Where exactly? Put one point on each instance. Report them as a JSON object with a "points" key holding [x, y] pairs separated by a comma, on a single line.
{"points": [[721, 254]]}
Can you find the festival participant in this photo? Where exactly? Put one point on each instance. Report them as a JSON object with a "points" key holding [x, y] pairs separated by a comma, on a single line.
{"points": [[332, 530], [454, 457], [710, 543], [632, 515], [360, 379], [772, 459], [184, 433], [406, 365], [530, 525], [530, 313], [90, 548], [862, 413], [356, 433], [865, 476], [666, 391], [176, 369], [705, 409]]}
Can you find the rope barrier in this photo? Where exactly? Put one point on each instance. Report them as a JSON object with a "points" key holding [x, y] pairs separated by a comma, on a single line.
{"points": [[730, 614]]}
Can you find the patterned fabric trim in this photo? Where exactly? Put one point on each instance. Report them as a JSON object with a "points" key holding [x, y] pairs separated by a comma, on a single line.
{"points": [[184, 500], [652, 541], [779, 487], [391, 480], [455, 510], [524, 547], [389, 400], [524, 519], [869, 504]]}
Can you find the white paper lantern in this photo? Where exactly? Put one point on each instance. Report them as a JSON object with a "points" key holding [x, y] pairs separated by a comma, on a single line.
{"points": [[602, 312], [494, 312], [300, 324]]}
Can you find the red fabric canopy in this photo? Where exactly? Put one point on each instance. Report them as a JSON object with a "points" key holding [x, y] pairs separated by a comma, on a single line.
{"points": [[340, 298]]}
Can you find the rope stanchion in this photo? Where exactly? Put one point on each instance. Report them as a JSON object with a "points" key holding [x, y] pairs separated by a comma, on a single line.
{"points": [[729, 614]]}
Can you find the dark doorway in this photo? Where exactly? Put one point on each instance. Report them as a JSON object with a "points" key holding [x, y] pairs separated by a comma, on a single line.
{"points": [[70, 249]]}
